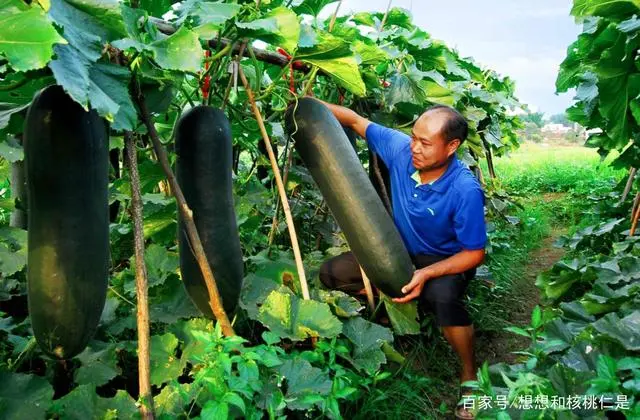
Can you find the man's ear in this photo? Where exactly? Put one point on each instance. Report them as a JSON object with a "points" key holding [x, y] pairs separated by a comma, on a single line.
{"points": [[452, 146]]}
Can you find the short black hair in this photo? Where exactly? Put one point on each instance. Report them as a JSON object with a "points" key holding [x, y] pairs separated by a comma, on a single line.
{"points": [[456, 126]]}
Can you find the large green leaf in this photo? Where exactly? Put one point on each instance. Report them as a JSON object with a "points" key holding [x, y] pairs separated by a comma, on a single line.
{"points": [[24, 396], [368, 339], [207, 17], [304, 380], [26, 36], [334, 56], [109, 95], [312, 7], [626, 330], [405, 87], [255, 290], [369, 54], [99, 364], [89, 25], [181, 51], [83, 400], [605, 8], [165, 366], [403, 316], [291, 317], [71, 70], [279, 27]]}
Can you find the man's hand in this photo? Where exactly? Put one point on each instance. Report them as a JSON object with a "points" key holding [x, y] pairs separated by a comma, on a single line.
{"points": [[414, 288]]}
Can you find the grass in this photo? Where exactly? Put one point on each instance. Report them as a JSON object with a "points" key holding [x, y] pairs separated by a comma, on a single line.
{"points": [[538, 168], [551, 184]]}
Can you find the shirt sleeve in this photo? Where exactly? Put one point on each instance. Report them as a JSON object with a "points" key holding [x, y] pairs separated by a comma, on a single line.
{"points": [[468, 220], [385, 142]]}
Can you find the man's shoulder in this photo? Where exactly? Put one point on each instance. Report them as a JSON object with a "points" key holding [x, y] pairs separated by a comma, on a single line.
{"points": [[465, 181]]}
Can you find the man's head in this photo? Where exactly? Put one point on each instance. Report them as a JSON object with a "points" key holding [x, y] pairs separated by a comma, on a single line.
{"points": [[436, 136]]}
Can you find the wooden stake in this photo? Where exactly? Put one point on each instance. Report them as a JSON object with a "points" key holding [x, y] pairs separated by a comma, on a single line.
{"points": [[634, 221], [274, 223], [627, 188], [368, 289], [214, 295], [281, 190], [142, 315]]}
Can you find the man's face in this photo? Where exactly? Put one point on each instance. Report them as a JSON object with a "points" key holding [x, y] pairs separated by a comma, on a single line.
{"points": [[429, 149]]}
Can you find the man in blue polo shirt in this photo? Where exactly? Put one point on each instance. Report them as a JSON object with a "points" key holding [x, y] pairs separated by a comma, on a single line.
{"points": [[438, 208]]}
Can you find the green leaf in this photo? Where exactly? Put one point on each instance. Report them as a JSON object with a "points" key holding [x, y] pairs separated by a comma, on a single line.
{"points": [[279, 27], [403, 316], [88, 26], [193, 349], [165, 366], [626, 331], [83, 400], [157, 8], [255, 291], [367, 338], [181, 51], [536, 317], [518, 330], [312, 7], [11, 153], [369, 54], [333, 55], [343, 305], [215, 410], [207, 17], [26, 36], [99, 364], [71, 70], [397, 16], [160, 264], [24, 396], [11, 260], [605, 8], [171, 401], [303, 380], [405, 87], [291, 317], [109, 95]]}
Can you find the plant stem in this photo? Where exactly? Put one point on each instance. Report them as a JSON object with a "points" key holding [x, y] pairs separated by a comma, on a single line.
{"points": [[142, 314], [281, 190], [214, 296], [335, 15]]}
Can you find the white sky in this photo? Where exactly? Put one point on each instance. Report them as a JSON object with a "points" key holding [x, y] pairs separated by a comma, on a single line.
{"points": [[523, 39]]}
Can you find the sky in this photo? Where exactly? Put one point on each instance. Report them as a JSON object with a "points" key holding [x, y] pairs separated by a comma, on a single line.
{"points": [[523, 39]]}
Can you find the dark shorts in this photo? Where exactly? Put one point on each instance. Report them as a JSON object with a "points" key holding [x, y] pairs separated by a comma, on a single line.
{"points": [[443, 295]]}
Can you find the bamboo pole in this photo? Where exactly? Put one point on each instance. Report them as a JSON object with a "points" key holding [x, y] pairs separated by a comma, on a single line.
{"points": [[281, 190], [368, 289], [142, 303], [627, 188], [634, 221]]}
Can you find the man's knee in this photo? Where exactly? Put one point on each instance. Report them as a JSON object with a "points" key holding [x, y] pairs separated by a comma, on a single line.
{"points": [[444, 297], [341, 273]]}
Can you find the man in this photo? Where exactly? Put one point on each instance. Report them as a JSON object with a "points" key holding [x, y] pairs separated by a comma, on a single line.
{"points": [[438, 208]]}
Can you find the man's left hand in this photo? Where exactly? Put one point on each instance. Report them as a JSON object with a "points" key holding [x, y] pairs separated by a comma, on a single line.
{"points": [[414, 288]]}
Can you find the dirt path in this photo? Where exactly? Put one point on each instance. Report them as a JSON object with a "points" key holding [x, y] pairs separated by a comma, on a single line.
{"points": [[499, 346]]}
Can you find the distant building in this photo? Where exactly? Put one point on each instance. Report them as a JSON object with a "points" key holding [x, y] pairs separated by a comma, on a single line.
{"points": [[555, 128]]}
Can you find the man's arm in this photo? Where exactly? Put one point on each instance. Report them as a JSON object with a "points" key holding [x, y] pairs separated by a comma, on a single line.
{"points": [[455, 264], [349, 118]]}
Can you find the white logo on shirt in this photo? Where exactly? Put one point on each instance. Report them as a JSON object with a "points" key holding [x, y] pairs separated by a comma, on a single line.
{"points": [[433, 213]]}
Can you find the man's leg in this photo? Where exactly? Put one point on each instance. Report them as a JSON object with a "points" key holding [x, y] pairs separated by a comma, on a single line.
{"points": [[462, 341], [342, 273], [444, 296]]}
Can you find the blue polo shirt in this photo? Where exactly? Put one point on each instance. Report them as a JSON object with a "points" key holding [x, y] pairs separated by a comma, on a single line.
{"points": [[441, 218]]}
